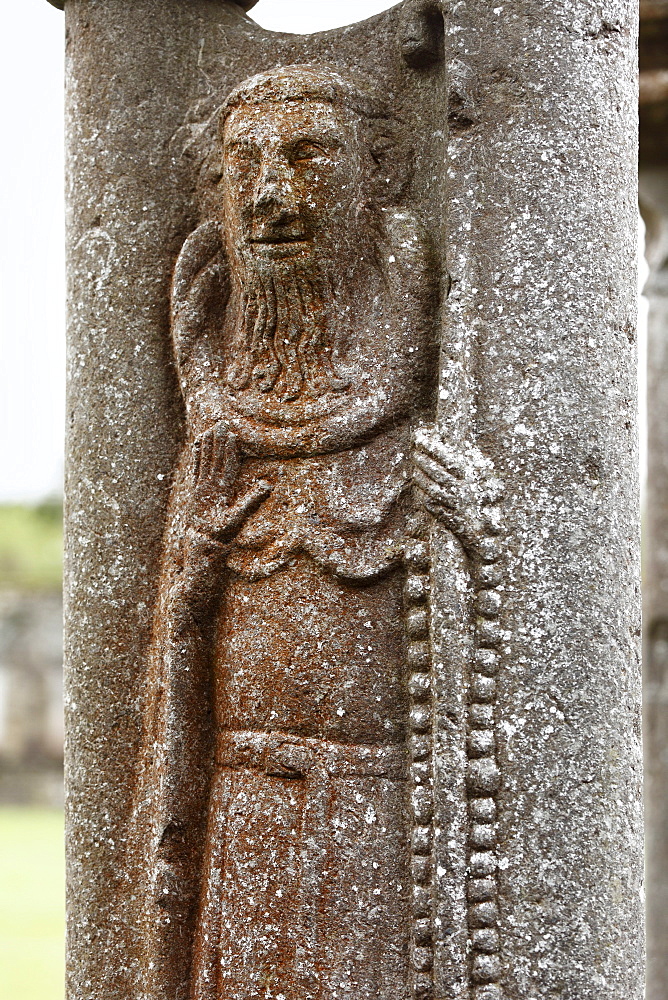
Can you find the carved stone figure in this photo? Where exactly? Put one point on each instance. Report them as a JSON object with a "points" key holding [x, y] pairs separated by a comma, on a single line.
{"points": [[303, 313]]}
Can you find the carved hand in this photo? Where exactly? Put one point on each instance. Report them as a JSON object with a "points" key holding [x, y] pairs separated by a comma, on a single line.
{"points": [[215, 467], [458, 488]]}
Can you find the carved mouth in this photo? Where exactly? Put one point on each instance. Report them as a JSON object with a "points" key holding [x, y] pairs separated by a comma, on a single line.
{"points": [[278, 240]]}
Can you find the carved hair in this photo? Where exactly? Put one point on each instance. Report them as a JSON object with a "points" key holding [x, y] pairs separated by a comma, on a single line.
{"points": [[391, 155], [303, 82]]}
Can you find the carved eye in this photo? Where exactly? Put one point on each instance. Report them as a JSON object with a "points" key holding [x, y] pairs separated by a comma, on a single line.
{"points": [[306, 150], [241, 152]]}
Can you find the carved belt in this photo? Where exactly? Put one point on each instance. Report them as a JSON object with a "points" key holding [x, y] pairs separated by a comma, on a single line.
{"points": [[287, 756]]}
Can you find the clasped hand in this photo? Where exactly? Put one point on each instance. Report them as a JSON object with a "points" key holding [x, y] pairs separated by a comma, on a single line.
{"points": [[459, 488], [215, 467]]}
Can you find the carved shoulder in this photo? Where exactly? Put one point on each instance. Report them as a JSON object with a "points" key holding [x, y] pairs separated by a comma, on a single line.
{"points": [[200, 291], [410, 242], [412, 268], [201, 247]]}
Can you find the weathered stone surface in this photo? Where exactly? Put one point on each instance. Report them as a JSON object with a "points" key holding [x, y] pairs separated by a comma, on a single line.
{"points": [[540, 161], [515, 588], [244, 4]]}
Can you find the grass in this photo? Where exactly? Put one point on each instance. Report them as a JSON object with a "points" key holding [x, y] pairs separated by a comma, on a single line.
{"points": [[31, 543], [32, 905]]}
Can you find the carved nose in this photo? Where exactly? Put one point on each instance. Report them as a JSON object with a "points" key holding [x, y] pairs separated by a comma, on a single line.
{"points": [[273, 191]]}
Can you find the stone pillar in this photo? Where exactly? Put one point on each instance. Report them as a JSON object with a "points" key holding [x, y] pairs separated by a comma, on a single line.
{"points": [[132, 75], [542, 161], [518, 851], [654, 204]]}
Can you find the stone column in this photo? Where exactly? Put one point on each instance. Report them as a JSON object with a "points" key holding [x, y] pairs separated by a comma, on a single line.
{"points": [[523, 864], [132, 76], [542, 161]]}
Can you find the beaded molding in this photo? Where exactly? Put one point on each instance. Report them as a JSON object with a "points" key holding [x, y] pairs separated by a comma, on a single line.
{"points": [[421, 781], [483, 777]]}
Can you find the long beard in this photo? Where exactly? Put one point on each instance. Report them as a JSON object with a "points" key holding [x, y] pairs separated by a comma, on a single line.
{"points": [[285, 329]]}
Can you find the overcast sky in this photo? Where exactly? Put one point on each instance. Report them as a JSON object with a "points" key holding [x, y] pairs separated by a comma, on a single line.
{"points": [[31, 249], [32, 291]]}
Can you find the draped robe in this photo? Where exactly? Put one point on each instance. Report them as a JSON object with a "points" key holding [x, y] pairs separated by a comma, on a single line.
{"points": [[271, 810]]}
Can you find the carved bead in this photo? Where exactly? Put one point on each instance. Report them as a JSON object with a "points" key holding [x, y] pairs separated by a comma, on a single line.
{"points": [[423, 987], [486, 661], [421, 840], [486, 968], [491, 991], [423, 959], [421, 772], [481, 716], [490, 575], [488, 603], [482, 863], [422, 802], [493, 521], [483, 775], [484, 914], [417, 588], [417, 624], [417, 555], [482, 810], [481, 890], [421, 870], [483, 688], [419, 687], [421, 901], [488, 633], [420, 718], [485, 939], [489, 549], [420, 747], [422, 932], [419, 656], [481, 742], [495, 489], [482, 835]]}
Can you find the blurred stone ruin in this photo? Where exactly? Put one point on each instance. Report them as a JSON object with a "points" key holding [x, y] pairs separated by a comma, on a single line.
{"points": [[31, 655]]}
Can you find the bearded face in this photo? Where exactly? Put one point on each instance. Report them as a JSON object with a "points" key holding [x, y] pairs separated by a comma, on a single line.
{"points": [[293, 174]]}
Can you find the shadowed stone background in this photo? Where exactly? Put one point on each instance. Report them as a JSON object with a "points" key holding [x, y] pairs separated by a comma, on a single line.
{"points": [[654, 207]]}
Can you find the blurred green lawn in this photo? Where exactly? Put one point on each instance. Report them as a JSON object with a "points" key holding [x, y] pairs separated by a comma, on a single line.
{"points": [[31, 543], [32, 907]]}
